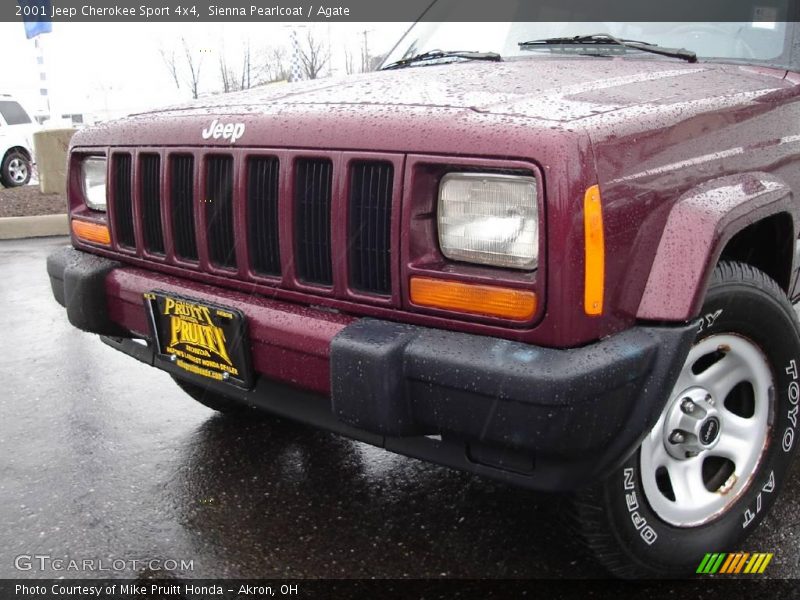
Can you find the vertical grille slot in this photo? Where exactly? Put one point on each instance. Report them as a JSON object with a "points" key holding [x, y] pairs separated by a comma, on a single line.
{"points": [[313, 183], [182, 203], [262, 211], [123, 201], [370, 227], [219, 211], [150, 196]]}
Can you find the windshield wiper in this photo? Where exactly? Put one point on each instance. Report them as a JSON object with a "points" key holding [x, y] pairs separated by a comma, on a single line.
{"points": [[605, 38], [437, 54]]}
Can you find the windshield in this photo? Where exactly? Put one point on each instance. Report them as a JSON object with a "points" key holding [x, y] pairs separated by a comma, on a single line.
{"points": [[760, 42]]}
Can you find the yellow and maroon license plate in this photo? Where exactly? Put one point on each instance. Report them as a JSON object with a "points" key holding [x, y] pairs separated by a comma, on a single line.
{"points": [[200, 338]]}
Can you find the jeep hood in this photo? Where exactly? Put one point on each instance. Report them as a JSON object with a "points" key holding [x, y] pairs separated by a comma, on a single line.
{"points": [[545, 88], [504, 109]]}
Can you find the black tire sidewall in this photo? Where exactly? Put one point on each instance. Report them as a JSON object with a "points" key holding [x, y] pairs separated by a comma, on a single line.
{"points": [[762, 314], [212, 400], [4, 172]]}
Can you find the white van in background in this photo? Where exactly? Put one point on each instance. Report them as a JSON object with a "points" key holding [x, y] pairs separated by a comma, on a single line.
{"points": [[16, 143]]}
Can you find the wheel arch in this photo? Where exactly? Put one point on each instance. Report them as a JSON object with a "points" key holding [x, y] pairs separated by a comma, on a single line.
{"points": [[731, 218], [21, 149], [766, 245]]}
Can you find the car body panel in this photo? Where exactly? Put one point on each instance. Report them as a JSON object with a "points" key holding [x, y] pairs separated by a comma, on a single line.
{"points": [[12, 136], [698, 227], [648, 131]]}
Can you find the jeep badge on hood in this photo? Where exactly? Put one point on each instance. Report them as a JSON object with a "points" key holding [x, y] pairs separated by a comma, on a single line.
{"points": [[230, 131]]}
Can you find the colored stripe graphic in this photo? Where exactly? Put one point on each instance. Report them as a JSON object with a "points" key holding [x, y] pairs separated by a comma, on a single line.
{"points": [[718, 563], [752, 565], [703, 564], [758, 562], [726, 566], [711, 563], [765, 563], [733, 564], [740, 563]]}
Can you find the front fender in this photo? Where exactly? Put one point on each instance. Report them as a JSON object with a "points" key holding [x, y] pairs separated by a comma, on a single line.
{"points": [[699, 226], [16, 141]]}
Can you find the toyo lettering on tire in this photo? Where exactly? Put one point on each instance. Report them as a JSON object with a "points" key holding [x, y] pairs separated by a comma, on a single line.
{"points": [[711, 467]]}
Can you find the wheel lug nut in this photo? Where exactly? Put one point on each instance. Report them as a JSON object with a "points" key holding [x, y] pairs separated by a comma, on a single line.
{"points": [[687, 406], [677, 437]]}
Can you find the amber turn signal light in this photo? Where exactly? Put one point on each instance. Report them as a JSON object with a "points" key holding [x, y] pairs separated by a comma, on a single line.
{"points": [[595, 252], [507, 303], [94, 233]]}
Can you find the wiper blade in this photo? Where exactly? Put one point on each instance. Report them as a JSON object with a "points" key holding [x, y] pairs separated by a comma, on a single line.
{"points": [[605, 38], [437, 54]]}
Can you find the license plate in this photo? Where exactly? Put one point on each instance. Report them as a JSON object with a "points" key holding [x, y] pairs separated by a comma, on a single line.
{"points": [[200, 338]]}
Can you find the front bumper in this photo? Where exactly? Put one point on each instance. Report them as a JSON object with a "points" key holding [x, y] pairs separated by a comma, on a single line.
{"points": [[542, 418]]}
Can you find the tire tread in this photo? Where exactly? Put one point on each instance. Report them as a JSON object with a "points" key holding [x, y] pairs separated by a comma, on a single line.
{"points": [[585, 512]]}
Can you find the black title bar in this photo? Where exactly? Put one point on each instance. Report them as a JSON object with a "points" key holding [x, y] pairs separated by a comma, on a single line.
{"points": [[391, 589], [397, 10]]}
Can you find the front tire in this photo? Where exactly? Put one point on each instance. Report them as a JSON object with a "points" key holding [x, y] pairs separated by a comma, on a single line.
{"points": [[710, 469], [15, 169]]}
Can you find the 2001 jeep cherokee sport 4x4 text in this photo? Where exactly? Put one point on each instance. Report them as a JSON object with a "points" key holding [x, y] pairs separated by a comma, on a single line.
{"points": [[567, 264]]}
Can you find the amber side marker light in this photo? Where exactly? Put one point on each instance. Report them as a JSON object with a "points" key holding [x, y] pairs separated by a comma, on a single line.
{"points": [[595, 252], [507, 303], [91, 232]]}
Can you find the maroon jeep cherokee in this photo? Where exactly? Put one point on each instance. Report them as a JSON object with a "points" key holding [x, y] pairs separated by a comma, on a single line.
{"points": [[567, 263]]}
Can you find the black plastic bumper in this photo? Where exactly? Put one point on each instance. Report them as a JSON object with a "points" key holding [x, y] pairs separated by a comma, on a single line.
{"points": [[543, 418], [78, 283], [560, 416]]}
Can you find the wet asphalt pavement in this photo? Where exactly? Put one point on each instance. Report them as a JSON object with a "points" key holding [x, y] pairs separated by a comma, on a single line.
{"points": [[102, 457]]}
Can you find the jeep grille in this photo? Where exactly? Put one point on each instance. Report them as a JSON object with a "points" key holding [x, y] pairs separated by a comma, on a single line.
{"points": [[250, 202]]}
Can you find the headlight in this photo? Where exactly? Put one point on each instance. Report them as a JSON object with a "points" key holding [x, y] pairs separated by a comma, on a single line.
{"points": [[489, 219], [93, 171]]}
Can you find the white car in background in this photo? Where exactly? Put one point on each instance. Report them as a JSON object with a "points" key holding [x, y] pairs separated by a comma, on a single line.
{"points": [[16, 143]]}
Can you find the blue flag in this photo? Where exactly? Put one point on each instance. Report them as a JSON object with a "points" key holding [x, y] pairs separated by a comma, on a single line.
{"points": [[37, 19]]}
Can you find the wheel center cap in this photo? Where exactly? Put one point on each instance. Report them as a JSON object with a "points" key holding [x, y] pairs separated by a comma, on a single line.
{"points": [[709, 431], [692, 424]]}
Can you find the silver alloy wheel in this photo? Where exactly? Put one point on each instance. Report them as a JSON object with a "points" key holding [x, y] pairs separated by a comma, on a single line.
{"points": [[705, 448], [18, 170]]}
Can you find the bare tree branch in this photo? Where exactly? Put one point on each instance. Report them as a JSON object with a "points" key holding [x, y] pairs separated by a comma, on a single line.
{"points": [[246, 80], [194, 65], [365, 58], [276, 68], [349, 65], [224, 72], [246, 69], [314, 56], [168, 56]]}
